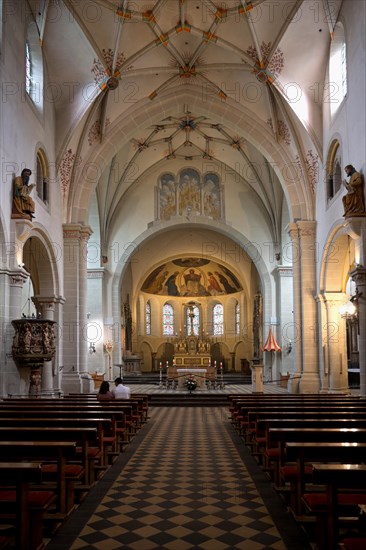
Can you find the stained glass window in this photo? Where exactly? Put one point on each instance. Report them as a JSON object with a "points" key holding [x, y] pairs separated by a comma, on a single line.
{"points": [[218, 320], [148, 319], [237, 318], [28, 69], [168, 320], [193, 321]]}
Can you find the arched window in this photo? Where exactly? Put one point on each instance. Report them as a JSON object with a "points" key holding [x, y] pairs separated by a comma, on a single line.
{"points": [[168, 320], [42, 176], [334, 170], [193, 321], [237, 318], [28, 69], [337, 69], [218, 319], [34, 66], [148, 319]]}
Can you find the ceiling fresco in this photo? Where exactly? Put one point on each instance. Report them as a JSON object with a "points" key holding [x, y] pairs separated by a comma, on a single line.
{"points": [[191, 277]]}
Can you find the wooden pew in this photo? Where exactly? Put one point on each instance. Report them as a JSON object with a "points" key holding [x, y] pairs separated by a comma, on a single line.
{"points": [[300, 452], [25, 505], [345, 488], [60, 452], [85, 437]]}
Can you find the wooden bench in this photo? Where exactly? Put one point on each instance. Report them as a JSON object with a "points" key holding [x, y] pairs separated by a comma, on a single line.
{"points": [[58, 453], [85, 438], [25, 506], [345, 489], [301, 453]]}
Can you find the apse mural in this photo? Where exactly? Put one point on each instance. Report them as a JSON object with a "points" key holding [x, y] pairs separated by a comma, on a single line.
{"points": [[189, 193], [191, 277]]}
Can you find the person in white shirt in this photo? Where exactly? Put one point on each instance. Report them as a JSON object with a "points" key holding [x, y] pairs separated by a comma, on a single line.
{"points": [[121, 391]]}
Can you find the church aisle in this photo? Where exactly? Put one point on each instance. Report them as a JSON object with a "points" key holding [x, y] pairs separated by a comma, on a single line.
{"points": [[182, 485]]}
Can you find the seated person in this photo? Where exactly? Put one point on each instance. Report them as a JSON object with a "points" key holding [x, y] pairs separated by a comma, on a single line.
{"points": [[121, 391], [104, 393]]}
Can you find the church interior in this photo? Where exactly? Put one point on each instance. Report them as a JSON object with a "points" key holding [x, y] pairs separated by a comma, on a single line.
{"points": [[182, 206]]}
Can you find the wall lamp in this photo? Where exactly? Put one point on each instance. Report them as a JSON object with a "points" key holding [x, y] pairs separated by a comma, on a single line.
{"points": [[289, 347]]}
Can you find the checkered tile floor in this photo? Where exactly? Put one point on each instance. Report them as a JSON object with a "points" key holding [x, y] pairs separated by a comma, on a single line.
{"points": [[183, 486]]}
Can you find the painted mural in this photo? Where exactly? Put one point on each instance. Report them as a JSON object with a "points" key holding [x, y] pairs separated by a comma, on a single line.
{"points": [[191, 277], [189, 193]]}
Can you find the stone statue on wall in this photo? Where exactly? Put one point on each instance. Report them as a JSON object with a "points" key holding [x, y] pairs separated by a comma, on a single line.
{"points": [[23, 204], [353, 201]]}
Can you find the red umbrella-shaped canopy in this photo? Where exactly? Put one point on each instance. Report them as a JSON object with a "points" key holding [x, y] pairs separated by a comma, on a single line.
{"points": [[271, 344]]}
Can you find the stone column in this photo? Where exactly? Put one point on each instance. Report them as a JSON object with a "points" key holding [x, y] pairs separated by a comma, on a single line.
{"points": [[232, 355], [46, 306], [13, 380], [303, 236], [336, 343], [284, 306], [75, 323], [310, 379], [153, 361], [359, 276], [294, 381]]}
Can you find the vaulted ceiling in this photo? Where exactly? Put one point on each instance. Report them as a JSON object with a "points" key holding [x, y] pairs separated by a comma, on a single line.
{"points": [[105, 58]]}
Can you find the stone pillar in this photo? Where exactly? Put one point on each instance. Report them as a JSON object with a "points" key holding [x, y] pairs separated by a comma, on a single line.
{"points": [[294, 381], [285, 307], [359, 276], [305, 305], [257, 378], [13, 380], [153, 361], [232, 355], [336, 355], [74, 327], [50, 380]]}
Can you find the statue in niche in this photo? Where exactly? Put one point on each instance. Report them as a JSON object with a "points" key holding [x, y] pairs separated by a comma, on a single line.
{"points": [[353, 201], [23, 204]]}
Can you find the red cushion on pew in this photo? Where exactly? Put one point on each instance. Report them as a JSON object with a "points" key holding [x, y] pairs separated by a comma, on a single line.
{"points": [[273, 452], [317, 501], [354, 544], [92, 451], [71, 470], [37, 499], [109, 439], [291, 473]]}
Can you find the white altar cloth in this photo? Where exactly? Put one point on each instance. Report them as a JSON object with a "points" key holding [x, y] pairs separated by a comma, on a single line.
{"points": [[199, 374]]}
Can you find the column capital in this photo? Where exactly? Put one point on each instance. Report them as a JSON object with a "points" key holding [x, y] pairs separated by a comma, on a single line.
{"points": [[306, 228], [359, 275], [292, 230], [76, 231], [17, 278], [283, 271]]}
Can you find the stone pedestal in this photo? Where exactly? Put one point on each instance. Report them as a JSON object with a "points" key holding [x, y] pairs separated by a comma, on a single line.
{"points": [[257, 378]]}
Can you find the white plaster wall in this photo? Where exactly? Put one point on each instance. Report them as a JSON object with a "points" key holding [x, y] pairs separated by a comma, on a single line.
{"points": [[349, 122]]}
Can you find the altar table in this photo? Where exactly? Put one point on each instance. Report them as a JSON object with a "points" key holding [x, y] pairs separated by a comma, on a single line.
{"points": [[199, 375]]}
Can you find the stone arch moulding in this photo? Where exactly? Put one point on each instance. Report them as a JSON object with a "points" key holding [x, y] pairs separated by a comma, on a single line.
{"points": [[263, 272], [239, 120], [333, 255]]}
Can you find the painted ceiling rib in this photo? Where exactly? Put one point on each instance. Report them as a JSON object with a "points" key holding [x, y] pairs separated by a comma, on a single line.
{"points": [[283, 29], [182, 10], [86, 32], [118, 38], [92, 111], [253, 32], [158, 6], [329, 18], [227, 46], [288, 119], [106, 4], [42, 28], [204, 43], [273, 111], [103, 201]]}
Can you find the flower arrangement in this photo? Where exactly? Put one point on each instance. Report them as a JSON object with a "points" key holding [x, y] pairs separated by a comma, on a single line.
{"points": [[191, 383]]}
